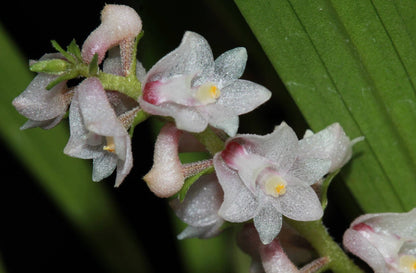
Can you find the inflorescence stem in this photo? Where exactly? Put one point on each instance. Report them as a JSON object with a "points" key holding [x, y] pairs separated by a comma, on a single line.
{"points": [[317, 235]]}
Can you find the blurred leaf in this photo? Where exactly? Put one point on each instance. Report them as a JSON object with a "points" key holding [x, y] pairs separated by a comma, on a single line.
{"points": [[2, 268], [68, 181], [205, 255], [353, 62]]}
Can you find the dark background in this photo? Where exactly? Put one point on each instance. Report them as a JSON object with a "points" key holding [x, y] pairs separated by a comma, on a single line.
{"points": [[35, 236]]}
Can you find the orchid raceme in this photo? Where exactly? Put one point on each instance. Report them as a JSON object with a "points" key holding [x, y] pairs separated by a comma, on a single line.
{"points": [[97, 133], [200, 208], [44, 108], [188, 85], [385, 241], [274, 185], [264, 177]]}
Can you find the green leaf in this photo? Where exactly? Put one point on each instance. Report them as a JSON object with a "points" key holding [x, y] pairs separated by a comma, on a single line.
{"points": [[93, 66], [67, 55], [67, 181], [204, 256], [74, 49], [352, 62]]}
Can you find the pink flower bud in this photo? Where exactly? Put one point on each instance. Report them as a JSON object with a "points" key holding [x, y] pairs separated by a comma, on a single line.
{"points": [[118, 23], [166, 176]]}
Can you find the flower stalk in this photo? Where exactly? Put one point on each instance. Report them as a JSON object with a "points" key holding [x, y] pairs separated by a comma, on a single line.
{"points": [[318, 236], [129, 85], [212, 142]]}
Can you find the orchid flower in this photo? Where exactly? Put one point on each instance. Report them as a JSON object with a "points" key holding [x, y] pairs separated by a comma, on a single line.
{"points": [[98, 133], [265, 177], [200, 208], [188, 85], [44, 108], [385, 241], [120, 25]]}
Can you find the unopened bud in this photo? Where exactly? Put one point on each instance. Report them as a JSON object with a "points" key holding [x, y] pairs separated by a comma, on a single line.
{"points": [[118, 23]]}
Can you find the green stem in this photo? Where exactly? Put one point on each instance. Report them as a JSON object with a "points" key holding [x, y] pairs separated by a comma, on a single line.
{"points": [[130, 85], [210, 140], [318, 236]]}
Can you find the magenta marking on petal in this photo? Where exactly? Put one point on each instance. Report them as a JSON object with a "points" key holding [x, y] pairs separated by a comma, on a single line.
{"points": [[363, 227], [150, 93], [232, 151]]}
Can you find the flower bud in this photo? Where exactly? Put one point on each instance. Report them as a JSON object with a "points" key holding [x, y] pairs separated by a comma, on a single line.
{"points": [[118, 23], [166, 176], [54, 66]]}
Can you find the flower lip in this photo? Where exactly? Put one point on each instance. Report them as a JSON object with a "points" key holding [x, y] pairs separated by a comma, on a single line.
{"points": [[150, 93], [363, 227], [232, 153]]}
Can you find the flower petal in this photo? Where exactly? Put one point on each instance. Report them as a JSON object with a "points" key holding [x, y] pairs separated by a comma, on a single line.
{"points": [[239, 203], [310, 170], [268, 222], [231, 64], [401, 224], [39, 104], [241, 96], [186, 118], [280, 146], [99, 117], [125, 162], [193, 56], [103, 166], [204, 232], [201, 203], [331, 143], [300, 203], [78, 145], [44, 124], [221, 118], [359, 246]]}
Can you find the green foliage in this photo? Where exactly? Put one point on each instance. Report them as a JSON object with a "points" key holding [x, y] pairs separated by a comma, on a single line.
{"points": [[352, 62]]}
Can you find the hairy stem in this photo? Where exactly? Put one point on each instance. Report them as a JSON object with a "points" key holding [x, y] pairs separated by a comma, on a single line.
{"points": [[318, 236], [130, 85]]}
